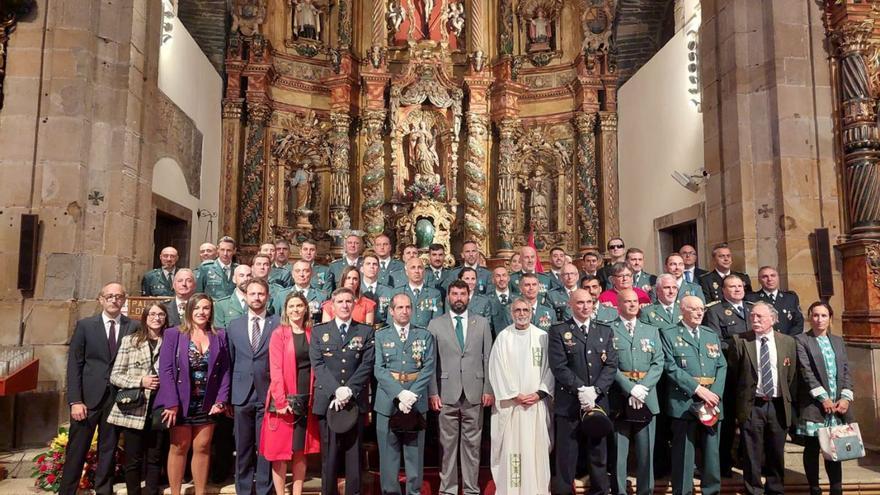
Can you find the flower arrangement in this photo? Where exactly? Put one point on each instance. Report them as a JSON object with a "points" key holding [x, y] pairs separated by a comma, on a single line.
{"points": [[48, 465], [421, 190]]}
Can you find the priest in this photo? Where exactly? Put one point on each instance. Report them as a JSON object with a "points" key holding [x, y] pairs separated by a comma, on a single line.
{"points": [[523, 384]]}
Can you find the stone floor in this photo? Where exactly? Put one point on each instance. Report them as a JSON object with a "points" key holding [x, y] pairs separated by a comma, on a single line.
{"points": [[862, 476]]}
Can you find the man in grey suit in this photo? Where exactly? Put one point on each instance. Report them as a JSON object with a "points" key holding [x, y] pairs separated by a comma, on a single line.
{"points": [[248, 339], [184, 287], [460, 388]]}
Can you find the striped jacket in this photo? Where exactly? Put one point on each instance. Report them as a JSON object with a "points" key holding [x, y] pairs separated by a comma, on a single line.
{"points": [[132, 363]]}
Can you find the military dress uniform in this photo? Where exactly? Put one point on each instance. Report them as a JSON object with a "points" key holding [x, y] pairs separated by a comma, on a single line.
{"points": [[434, 277], [157, 283], [481, 305], [639, 361], [315, 298], [426, 306], [500, 316], [401, 365], [389, 266], [710, 283], [604, 314], [687, 289], [657, 315], [381, 295], [341, 358], [546, 283], [578, 359], [281, 275], [557, 299], [337, 266], [788, 305], [228, 309], [322, 279], [484, 278], [690, 361], [213, 281], [645, 281]]}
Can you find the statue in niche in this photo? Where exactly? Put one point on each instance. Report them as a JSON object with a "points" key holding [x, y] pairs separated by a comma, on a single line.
{"points": [[538, 186], [427, 8], [396, 15], [455, 18], [247, 16], [423, 153], [307, 20], [301, 195], [539, 31]]}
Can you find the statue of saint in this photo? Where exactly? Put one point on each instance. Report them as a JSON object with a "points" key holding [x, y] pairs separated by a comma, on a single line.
{"points": [[247, 16], [396, 15], [455, 18], [301, 188], [539, 31], [422, 152], [307, 20], [427, 9], [539, 207]]}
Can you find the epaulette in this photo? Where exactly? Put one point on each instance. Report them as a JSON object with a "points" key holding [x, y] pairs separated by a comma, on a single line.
{"points": [[713, 303], [224, 298], [707, 274]]}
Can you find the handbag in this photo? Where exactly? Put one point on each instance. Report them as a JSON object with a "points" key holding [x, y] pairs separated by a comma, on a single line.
{"points": [[129, 399], [299, 404], [841, 442]]}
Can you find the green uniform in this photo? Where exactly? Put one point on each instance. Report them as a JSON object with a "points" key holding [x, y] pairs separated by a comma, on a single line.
{"points": [[413, 363], [691, 289], [381, 295], [315, 297], [435, 278], [641, 352], [389, 266], [500, 316], [157, 283], [546, 283], [426, 306], [213, 281], [228, 309], [655, 314], [558, 300], [281, 275], [645, 281], [484, 278], [689, 361], [337, 266], [322, 279], [605, 314], [480, 305]]}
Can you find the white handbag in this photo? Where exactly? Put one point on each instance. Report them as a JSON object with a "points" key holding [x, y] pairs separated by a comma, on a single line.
{"points": [[841, 442]]}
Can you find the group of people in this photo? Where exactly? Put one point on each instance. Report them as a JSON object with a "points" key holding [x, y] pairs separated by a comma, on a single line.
{"points": [[577, 364]]}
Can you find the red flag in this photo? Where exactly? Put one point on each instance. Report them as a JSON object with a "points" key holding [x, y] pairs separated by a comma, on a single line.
{"points": [[539, 268]]}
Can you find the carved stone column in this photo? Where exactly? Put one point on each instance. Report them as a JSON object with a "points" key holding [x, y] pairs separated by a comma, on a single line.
{"points": [[475, 186], [344, 26], [340, 178], [231, 147], [507, 128], [253, 174], [587, 182], [610, 188], [373, 180]]}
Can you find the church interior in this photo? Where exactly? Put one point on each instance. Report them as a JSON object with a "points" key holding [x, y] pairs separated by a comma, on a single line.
{"points": [[132, 125]]}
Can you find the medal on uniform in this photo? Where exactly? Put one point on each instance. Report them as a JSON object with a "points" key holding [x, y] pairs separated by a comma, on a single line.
{"points": [[325, 337], [603, 356], [728, 312], [714, 285], [567, 336]]}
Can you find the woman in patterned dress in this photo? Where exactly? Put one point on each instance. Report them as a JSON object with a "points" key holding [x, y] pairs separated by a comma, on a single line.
{"points": [[824, 393]]}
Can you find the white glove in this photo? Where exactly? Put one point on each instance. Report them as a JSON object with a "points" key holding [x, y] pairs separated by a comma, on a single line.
{"points": [[587, 396], [405, 409], [640, 392], [335, 405], [635, 403], [342, 395], [407, 397]]}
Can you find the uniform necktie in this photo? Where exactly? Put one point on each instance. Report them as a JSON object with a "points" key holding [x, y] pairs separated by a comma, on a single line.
{"points": [[111, 338], [503, 298], [739, 311], [687, 276], [585, 329], [226, 273], [766, 369], [342, 329], [384, 265], [403, 334], [629, 328], [255, 333], [696, 334], [170, 276], [437, 274], [669, 311], [369, 289], [459, 332], [416, 292]]}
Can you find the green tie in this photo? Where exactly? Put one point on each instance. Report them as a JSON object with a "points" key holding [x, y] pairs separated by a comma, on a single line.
{"points": [[459, 332]]}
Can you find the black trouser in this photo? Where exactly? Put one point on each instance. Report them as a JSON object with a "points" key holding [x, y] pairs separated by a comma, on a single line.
{"points": [[79, 441], [763, 438], [144, 446], [570, 447], [811, 468], [332, 446], [222, 449]]}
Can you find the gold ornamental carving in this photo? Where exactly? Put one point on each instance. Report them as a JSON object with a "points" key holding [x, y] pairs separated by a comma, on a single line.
{"points": [[475, 184], [431, 211], [872, 258], [373, 180]]}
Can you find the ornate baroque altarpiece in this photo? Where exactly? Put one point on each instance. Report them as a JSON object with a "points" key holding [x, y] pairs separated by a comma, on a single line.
{"points": [[427, 120]]}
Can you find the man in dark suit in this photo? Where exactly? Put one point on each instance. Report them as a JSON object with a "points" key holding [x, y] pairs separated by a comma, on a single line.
{"points": [[342, 353], [89, 393], [786, 302], [248, 338], [762, 363], [584, 363], [710, 282], [692, 272], [184, 288]]}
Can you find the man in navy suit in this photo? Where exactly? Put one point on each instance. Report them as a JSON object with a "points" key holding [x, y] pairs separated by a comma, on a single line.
{"points": [[342, 352], [89, 393], [248, 338], [584, 363]]}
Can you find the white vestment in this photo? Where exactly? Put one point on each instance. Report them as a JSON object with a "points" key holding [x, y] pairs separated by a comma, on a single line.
{"points": [[521, 436]]}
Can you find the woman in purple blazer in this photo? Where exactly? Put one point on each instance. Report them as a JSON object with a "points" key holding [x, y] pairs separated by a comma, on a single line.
{"points": [[193, 387]]}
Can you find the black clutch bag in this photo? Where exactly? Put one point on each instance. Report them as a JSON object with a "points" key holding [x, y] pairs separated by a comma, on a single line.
{"points": [[129, 399], [299, 404]]}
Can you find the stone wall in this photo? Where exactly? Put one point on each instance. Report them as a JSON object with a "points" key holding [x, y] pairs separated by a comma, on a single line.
{"points": [[78, 151]]}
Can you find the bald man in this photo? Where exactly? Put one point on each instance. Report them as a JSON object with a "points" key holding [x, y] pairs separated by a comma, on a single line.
{"points": [[158, 281], [529, 259], [427, 302]]}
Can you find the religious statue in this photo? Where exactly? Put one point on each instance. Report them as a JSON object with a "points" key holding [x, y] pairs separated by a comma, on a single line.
{"points": [[455, 18], [423, 154], [539, 194], [427, 9], [539, 31], [307, 20], [396, 15], [247, 16], [301, 194]]}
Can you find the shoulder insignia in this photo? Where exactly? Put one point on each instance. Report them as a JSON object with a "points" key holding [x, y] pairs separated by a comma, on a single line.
{"points": [[713, 303]]}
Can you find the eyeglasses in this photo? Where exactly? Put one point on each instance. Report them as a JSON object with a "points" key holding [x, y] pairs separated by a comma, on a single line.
{"points": [[615, 246], [624, 275], [111, 297], [156, 315]]}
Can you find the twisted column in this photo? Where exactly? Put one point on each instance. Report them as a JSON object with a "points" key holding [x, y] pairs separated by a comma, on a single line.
{"points": [[587, 182], [251, 213], [608, 174], [475, 179], [340, 196], [373, 180], [476, 32], [507, 128]]}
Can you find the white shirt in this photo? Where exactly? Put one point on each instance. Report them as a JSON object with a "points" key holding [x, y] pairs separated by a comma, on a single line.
{"points": [[305, 291], [464, 322], [691, 331], [402, 330], [505, 293], [351, 262], [737, 306], [465, 265], [370, 286], [580, 324], [772, 294], [261, 321], [722, 274], [679, 281], [632, 323], [107, 321], [414, 288], [771, 341], [339, 324]]}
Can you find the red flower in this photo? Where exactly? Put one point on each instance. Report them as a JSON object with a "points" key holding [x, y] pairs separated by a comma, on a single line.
{"points": [[50, 478], [44, 468]]}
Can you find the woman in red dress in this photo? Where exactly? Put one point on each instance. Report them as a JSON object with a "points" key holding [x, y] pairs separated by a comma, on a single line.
{"points": [[364, 307], [290, 430]]}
